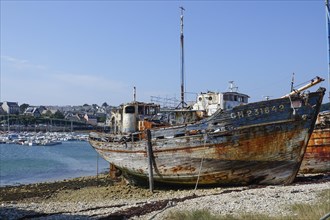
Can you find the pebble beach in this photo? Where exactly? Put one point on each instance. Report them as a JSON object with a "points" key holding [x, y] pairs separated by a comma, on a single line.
{"points": [[99, 197]]}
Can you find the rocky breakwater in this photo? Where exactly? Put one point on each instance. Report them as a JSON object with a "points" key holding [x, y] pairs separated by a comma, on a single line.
{"points": [[102, 198]]}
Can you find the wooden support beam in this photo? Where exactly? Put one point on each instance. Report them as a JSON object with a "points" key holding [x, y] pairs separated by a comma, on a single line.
{"points": [[150, 155]]}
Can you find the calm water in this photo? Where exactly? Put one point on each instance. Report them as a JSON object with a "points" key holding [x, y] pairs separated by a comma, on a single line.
{"points": [[30, 164]]}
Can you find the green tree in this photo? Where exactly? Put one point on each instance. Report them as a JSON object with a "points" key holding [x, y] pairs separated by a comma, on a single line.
{"points": [[105, 104], [101, 118], [58, 115], [48, 113], [23, 107], [27, 120]]}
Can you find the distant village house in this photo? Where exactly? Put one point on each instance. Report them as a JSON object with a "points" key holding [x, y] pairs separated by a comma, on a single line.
{"points": [[32, 111], [90, 119], [10, 107]]}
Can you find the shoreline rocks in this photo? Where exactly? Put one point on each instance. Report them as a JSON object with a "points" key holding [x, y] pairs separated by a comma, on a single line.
{"points": [[95, 198]]}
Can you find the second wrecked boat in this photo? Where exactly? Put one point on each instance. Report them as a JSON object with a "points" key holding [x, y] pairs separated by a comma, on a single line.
{"points": [[317, 155]]}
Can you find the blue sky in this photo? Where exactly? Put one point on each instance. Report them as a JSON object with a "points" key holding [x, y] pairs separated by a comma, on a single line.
{"points": [[77, 52]]}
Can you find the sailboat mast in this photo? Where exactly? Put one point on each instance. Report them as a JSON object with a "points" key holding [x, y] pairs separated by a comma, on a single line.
{"points": [[182, 58], [328, 29]]}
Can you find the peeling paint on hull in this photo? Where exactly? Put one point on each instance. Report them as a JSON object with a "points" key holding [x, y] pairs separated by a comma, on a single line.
{"points": [[258, 143], [317, 155]]}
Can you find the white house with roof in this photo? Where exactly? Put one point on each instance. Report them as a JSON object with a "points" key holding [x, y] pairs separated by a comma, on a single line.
{"points": [[32, 111], [2, 112], [10, 107], [72, 116], [90, 119]]}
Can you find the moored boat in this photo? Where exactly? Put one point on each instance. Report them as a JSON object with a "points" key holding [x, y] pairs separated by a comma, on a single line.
{"points": [[50, 142]]}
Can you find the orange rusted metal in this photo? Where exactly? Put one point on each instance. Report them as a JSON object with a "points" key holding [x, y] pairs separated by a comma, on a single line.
{"points": [[113, 171], [317, 155]]}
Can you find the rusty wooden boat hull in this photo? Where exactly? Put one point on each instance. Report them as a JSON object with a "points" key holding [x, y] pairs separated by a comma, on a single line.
{"points": [[257, 143], [317, 155]]}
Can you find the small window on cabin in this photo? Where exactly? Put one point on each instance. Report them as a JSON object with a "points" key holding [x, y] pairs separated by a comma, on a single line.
{"points": [[140, 110], [230, 98], [200, 98], [152, 111], [130, 109], [210, 98]]}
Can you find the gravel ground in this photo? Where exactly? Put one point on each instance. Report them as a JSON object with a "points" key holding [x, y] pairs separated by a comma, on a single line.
{"points": [[97, 198]]}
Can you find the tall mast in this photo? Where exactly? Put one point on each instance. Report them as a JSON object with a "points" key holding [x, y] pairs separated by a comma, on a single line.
{"points": [[292, 82], [182, 59], [328, 29]]}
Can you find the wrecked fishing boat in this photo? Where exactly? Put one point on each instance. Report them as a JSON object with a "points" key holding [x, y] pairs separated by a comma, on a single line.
{"points": [[256, 143], [250, 143], [317, 155]]}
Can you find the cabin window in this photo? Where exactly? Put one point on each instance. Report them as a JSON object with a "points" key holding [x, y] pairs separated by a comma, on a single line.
{"points": [[141, 110], [130, 109], [210, 98], [229, 98], [152, 111], [200, 98]]}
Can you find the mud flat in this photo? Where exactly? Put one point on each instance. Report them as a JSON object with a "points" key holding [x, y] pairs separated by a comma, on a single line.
{"points": [[102, 198]]}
